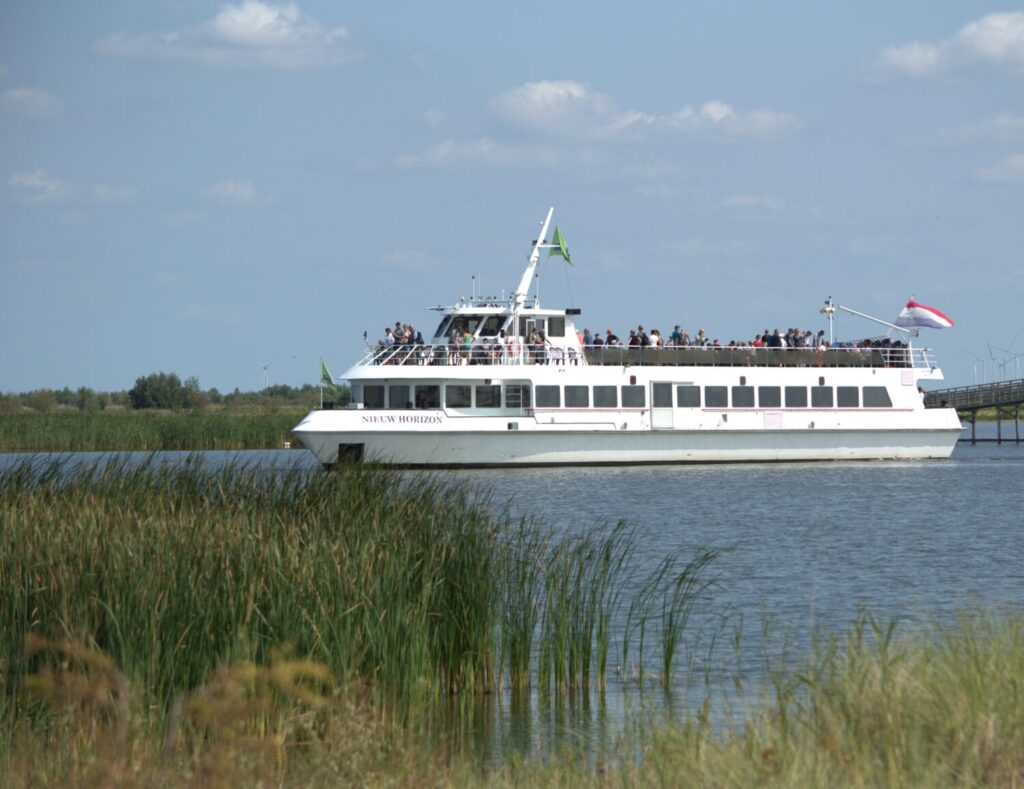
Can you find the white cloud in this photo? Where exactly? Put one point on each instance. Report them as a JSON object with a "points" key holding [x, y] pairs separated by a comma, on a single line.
{"points": [[995, 39], [480, 151], [572, 109], [752, 201], [32, 102], [1008, 170], [232, 192], [1003, 127], [434, 118], [108, 193], [40, 187], [252, 34], [656, 191]]}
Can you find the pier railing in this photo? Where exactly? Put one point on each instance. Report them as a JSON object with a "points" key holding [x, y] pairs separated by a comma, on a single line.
{"points": [[514, 353], [978, 396]]}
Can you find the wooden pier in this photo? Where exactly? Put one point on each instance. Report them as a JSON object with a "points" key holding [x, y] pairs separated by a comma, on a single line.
{"points": [[1006, 397]]}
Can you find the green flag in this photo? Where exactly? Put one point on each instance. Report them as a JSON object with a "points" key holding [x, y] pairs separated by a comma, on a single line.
{"points": [[325, 375], [559, 246]]}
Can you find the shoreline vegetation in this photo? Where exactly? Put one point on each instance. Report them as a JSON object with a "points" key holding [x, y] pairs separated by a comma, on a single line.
{"points": [[159, 413], [180, 625]]}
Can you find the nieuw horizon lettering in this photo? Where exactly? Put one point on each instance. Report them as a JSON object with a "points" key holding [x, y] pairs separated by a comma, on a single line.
{"points": [[423, 419]]}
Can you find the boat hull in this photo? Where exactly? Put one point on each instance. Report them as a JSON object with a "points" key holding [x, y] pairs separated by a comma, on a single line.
{"points": [[497, 448]]}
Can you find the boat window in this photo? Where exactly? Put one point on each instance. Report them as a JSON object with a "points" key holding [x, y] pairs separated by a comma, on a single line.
{"points": [[525, 324], [688, 396], [488, 396], [877, 397], [442, 327], [606, 397], [847, 396], [661, 395], [796, 397], [464, 323], [577, 397], [548, 397], [398, 396], [633, 397], [821, 396], [428, 396], [492, 325], [556, 327], [769, 396], [743, 397], [716, 397], [373, 396], [517, 396], [458, 396]]}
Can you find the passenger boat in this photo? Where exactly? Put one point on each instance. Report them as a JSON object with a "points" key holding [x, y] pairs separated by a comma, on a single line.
{"points": [[493, 398]]}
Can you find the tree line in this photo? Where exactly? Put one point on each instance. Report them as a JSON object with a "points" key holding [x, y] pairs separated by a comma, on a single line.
{"points": [[166, 391]]}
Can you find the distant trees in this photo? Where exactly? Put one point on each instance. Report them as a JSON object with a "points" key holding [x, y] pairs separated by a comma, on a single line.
{"points": [[159, 390], [167, 391]]}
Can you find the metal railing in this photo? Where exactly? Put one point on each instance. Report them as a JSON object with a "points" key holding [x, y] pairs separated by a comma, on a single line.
{"points": [[514, 353], [978, 396]]}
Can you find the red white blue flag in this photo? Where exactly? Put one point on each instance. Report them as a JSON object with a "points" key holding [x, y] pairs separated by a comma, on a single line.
{"points": [[915, 314]]}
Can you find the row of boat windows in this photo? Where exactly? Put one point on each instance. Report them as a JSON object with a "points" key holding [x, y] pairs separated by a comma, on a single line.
{"points": [[428, 396], [491, 325]]}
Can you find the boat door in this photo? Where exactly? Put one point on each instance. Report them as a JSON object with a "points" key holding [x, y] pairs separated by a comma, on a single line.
{"points": [[661, 406]]}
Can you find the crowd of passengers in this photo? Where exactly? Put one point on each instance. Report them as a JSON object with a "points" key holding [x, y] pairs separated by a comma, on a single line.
{"points": [[463, 348], [680, 338]]}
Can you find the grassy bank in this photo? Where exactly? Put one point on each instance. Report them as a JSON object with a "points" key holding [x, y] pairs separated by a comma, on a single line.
{"points": [[173, 626], [148, 430]]}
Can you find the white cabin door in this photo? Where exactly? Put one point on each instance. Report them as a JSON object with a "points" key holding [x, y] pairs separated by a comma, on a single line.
{"points": [[661, 406]]}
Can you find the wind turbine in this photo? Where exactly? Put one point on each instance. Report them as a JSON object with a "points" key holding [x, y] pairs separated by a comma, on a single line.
{"points": [[266, 374], [1015, 358]]}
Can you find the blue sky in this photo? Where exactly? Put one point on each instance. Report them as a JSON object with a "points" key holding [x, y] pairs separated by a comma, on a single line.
{"points": [[205, 188]]}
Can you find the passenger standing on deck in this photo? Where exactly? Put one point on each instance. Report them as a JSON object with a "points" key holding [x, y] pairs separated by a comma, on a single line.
{"points": [[611, 339]]}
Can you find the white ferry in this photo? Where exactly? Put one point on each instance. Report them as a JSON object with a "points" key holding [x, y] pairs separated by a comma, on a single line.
{"points": [[491, 397]]}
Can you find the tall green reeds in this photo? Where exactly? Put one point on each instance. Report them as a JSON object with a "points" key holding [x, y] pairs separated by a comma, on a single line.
{"points": [[415, 585], [146, 430]]}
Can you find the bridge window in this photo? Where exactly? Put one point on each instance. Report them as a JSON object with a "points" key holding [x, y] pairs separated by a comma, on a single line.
{"points": [[548, 397], [716, 397], [877, 397], [373, 396], [458, 396], [847, 396], [688, 396], [606, 397], [398, 396], [556, 327], [488, 396], [769, 396], [743, 397], [633, 397], [428, 396], [492, 325], [577, 396], [821, 396], [796, 397]]}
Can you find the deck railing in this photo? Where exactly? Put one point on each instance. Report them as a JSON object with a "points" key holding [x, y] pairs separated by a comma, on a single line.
{"points": [[484, 353]]}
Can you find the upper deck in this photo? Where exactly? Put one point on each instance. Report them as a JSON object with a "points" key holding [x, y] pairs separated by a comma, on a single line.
{"points": [[513, 353]]}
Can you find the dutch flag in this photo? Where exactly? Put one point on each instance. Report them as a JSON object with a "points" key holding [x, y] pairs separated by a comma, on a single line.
{"points": [[915, 314]]}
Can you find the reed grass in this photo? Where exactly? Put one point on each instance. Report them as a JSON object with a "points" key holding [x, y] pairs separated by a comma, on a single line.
{"points": [[74, 431], [942, 707], [417, 586]]}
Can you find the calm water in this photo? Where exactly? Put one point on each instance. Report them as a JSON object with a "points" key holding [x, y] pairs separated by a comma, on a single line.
{"points": [[807, 545]]}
